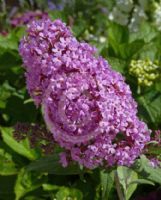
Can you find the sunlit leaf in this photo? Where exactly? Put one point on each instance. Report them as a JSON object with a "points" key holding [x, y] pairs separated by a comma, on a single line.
{"points": [[27, 182], [64, 192], [107, 183], [7, 165], [23, 147], [126, 176]]}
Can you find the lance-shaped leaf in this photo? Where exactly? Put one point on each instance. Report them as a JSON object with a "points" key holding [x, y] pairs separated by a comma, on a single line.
{"points": [[51, 164], [7, 166]]}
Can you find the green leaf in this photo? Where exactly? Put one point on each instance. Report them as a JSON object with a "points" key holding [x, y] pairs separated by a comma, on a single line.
{"points": [[80, 27], [149, 51], [119, 44], [107, 183], [27, 182], [20, 32], [9, 59], [7, 166], [128, 50], [69, 193], [49, 187], [117, 64], [56, 14], [51, 164], [143, 167], [142, 181], [152, 104], [23, 147], [146, 32], [6, 92], [64, 192], [117, 35], [158, 86], [126, 176], [17, 159], [8, 42], [89, 185]]}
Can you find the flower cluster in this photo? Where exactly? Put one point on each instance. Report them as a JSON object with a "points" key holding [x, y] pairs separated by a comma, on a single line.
{"points": [[41, 51], [27, 17], [145, 71], [87, 106]]}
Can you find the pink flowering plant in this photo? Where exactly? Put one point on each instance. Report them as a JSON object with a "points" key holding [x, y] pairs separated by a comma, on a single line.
{"points": [[80, 105], [87, 106]]}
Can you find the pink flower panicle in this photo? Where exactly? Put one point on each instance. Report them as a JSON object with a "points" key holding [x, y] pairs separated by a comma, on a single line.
{"points": [[27, 17], [87, 106]]}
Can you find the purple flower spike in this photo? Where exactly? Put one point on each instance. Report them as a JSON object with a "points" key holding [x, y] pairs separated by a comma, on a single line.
{"points": [[87, 106], [27, 17]]}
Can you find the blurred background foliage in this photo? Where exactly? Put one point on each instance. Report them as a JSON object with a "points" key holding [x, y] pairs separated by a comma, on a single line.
{"points": [[128, 34]]}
